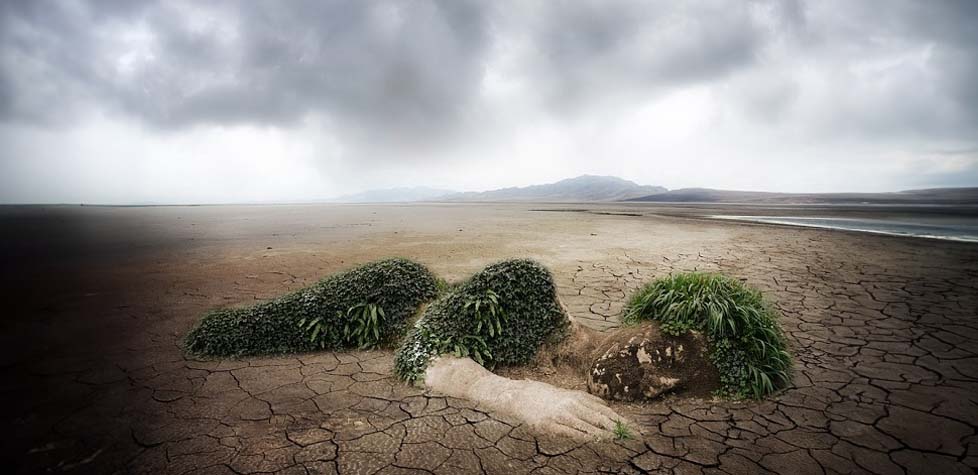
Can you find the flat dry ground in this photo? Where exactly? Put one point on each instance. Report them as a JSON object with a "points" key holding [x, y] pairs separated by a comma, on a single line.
{"points": [[96, 300]]}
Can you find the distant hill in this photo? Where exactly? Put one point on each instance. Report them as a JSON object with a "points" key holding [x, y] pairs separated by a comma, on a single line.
{"points": [[582, 188], [591, 188], [393, 195], [955, 196]]}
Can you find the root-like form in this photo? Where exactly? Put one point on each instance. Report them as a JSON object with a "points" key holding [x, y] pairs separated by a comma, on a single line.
{"points": [[545, 408]]}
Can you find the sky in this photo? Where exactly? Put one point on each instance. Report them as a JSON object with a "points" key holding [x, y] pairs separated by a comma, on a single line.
{"points": [[131, 101]]}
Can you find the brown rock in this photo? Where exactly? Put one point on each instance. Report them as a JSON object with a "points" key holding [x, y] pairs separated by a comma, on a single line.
{"points": [[642, 363]]}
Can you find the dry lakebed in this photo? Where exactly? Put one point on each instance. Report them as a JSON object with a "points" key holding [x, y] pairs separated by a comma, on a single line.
{"points": [[883, 330]]}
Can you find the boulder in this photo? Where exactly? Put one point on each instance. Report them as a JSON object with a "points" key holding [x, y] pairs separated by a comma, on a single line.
{"points": [[641, 363]]}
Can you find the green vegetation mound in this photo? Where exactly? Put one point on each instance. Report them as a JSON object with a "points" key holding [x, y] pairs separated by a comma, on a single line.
{"points": [[362, 307], [746, 342], [499, 316]]}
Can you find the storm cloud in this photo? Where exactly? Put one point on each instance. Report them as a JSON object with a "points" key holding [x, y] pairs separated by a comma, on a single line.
{"points": [[458, 88], [174, 65]]}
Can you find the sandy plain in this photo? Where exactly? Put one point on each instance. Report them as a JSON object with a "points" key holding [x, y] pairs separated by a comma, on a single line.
{"points": [[96, 301]]}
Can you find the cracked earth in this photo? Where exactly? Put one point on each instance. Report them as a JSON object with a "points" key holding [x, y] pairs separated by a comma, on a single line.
{"points": [[884, 332]]}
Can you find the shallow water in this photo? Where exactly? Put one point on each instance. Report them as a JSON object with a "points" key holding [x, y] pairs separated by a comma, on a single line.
{"points": [[964, 230]]}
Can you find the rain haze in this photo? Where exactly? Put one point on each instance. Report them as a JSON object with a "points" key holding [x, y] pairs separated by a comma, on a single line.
{"points": [[250, 101]]}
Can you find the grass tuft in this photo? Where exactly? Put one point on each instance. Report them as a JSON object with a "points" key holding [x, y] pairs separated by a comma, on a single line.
{"points": [[746, 343], [621, 431], [364, 307], [501, 315]]}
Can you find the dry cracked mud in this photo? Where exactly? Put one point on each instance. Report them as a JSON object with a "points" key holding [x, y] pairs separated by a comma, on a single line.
{"points": [[884, 331]]}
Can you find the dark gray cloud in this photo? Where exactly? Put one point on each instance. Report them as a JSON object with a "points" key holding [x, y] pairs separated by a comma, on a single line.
{"points": [[417, 68], [900, 67], [584, 49], [377, 64]]}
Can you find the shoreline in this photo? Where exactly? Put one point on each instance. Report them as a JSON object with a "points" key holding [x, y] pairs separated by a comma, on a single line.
{"points": [[793, 222]]}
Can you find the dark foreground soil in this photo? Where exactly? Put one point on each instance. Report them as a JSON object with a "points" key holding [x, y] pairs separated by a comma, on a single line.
{"points": [[96, 300]]}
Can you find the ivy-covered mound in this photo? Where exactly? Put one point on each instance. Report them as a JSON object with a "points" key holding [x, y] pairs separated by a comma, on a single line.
{"points": [[745, 341], [362, 307], [499, 316]]}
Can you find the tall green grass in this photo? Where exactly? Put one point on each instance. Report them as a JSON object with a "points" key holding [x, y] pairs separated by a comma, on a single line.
{"points": [[499, 316], [746, 342], [363, 307]]}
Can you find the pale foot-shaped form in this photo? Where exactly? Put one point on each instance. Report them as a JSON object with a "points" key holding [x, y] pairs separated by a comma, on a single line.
{"points": [[543, 407]]}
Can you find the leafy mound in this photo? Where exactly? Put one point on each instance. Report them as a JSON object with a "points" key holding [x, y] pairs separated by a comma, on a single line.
{"points": [[746, 342], [499, 316], [365, 306]]}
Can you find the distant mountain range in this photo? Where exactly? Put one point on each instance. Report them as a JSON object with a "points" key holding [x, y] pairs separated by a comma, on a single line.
{"points": [[582, 188], [591, 188], [950, 196], [394, 195]]}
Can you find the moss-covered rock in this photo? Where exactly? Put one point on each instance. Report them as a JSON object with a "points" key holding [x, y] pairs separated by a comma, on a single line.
{"points": [[397, 286], [501, 315], [746, 342]]}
